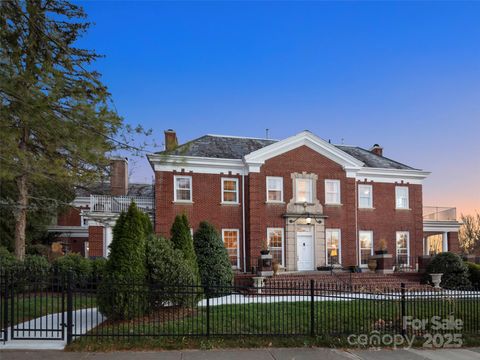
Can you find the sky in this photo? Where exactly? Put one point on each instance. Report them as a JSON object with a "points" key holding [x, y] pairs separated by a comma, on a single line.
{"points": [[405, 75]]}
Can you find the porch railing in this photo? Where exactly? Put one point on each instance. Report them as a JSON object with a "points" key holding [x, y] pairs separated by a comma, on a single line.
{"points": [[439, 213], [117, 204]]}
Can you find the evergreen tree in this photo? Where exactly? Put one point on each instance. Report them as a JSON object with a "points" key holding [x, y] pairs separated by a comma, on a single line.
{"points": [[182, 240], [212, 257], [55, 114], [125, 269]]}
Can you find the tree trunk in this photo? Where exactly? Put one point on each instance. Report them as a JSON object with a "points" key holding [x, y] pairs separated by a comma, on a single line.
{"points": [[21, 217]]}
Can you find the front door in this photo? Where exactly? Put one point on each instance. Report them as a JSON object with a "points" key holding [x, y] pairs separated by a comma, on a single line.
{"points": [[305, 259]]}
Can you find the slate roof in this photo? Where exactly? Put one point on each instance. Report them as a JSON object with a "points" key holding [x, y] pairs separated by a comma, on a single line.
{"points": [[231, 147]]}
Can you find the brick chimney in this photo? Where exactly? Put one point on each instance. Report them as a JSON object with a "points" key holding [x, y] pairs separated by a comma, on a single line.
{"points": [[118, 176], [171, 141], [377, 150]]}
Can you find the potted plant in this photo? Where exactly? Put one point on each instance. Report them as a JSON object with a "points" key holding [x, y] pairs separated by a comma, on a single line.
{"points": [[265, 250], [383, 248]]}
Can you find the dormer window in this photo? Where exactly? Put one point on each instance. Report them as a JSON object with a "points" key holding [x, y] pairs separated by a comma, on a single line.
{"points": [[303, 190]]}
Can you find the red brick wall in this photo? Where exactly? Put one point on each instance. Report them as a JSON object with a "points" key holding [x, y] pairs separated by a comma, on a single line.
{"points": [[95, 239], [206, 189], [383, 220], [453, 243], [71, 217]]}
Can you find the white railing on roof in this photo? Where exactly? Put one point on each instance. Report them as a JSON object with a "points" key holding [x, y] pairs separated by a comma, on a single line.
{"points": [[439, 213], [117, 204]]}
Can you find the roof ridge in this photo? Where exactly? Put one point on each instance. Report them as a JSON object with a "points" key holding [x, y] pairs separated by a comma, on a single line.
{"points": [[240, 137]]}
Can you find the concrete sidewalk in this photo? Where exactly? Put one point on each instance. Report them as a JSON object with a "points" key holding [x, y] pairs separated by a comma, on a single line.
{"points": [[253, 354]]}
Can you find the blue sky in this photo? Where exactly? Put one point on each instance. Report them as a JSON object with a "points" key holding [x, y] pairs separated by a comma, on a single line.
{"points": [[404, 75]]}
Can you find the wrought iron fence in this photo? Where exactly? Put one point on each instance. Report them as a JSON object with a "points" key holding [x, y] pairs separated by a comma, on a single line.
{"points": [[56, 307]]}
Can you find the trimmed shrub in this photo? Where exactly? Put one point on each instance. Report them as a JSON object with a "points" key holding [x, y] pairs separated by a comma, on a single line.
{"points": [[474, 274], [213, 263], [7, 259], [454, 270], [171, 277], [98, 268], [182, 240], [36, 267], [38, 249], [77, 265], [122, 292]]}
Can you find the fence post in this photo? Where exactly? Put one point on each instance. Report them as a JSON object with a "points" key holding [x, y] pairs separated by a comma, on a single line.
{"points": [[312, 307], [69, 309], [208, 310], [403, 313], [4, 278]]}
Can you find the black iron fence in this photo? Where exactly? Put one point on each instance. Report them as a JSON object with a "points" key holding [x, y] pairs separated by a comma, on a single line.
{"points": [[55, 308]]}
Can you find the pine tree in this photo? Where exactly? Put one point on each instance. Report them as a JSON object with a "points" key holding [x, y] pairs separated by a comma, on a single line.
{"points": [[56, 116], [182, 240], [125, 268], [212, 257]]}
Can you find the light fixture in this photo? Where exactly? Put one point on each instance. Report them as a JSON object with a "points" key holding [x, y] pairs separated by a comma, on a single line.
{"points": [[308, 220]]}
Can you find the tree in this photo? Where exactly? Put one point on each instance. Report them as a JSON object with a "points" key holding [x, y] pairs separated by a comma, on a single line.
{"points": [[182, 240], [469, 233], [213, 263], [125, 269], [56, 118], [172, 278], [45, 203]]}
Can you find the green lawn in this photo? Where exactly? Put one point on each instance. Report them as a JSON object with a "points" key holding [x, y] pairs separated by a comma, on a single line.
{"points": [[28, 306], [333, 322]]}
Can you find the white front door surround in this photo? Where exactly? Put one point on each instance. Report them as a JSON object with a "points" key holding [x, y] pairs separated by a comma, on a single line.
{"points": [[305, 251]]}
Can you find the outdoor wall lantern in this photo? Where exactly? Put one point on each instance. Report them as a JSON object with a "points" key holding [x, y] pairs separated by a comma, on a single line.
{"points": [[307, 216]]}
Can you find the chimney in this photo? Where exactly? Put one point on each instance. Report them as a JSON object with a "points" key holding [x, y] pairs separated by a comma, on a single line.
{"points": [[377, 150], [171, 141], [118, 176]]}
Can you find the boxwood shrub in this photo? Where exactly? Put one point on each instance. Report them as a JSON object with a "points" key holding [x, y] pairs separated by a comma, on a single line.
{"points": [[474, 274], [454, 270], [75, 264]]}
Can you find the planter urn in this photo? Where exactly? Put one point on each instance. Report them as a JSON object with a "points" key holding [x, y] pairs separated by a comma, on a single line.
{"points": [[436, 280]]}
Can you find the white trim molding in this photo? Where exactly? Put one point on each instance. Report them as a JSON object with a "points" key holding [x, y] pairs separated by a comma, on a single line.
{"points": [[196, 164], [391, 175]]}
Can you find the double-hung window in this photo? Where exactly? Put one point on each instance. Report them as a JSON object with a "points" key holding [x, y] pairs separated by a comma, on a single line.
{"points": [[403, 248], [275, 243], [333, 246], [230, 240], [365, 240], [229, 190], [332, 191], [274, 189], [183, 188], [365, 196], [401, 197], [303, 190]]}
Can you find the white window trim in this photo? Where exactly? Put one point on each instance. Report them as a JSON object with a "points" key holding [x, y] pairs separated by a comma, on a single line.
{"points": [[236, 190], [371, 196], [175, 177], [397, 188], [408, 245], [359, 248], [270, 229], [238, 245], [339, 245], [310, 201], [281, 189], [339, 200]]}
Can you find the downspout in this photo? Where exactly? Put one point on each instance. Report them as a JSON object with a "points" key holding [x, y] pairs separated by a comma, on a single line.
{"points": [[357, 245], [243, 225]]}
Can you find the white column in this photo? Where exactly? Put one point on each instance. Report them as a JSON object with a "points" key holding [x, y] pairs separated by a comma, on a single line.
{"points": [[445, 242], [107, 239]]}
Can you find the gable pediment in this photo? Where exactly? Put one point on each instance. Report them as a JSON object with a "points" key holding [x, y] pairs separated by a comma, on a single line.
{"points": [[257, 158]]}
